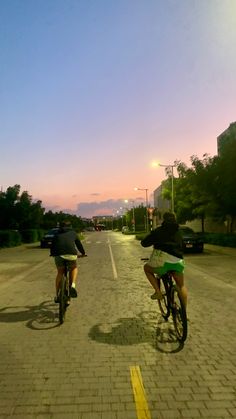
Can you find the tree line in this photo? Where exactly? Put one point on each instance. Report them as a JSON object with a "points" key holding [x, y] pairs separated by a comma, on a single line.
{"points": [[19, 211], [207, 188]]}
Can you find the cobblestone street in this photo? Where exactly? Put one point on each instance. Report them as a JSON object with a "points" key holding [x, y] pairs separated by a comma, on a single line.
{"points": [[85, 368]]}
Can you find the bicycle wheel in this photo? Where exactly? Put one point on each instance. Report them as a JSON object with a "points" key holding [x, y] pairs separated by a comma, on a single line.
{"points": [[62, 300], [179, 315], [163, 303]]}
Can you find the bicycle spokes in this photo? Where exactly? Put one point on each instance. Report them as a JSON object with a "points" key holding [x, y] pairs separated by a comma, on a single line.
{"points": [[163, 303], [179, 316]]}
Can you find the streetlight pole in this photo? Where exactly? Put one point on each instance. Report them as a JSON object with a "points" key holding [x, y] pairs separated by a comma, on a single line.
{"points": [[146, 191], [170, 166]]}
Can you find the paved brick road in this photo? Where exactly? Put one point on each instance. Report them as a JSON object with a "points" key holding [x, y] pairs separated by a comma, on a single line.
{"points": [[82, 369]]}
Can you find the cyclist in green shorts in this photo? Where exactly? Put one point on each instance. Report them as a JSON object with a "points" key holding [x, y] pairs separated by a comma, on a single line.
{"points": [[167, 255]]}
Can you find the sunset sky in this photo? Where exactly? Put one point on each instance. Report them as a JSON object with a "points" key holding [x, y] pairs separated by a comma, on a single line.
{"points": [[92, 91]]}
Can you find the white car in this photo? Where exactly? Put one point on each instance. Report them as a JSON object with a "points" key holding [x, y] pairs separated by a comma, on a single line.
{"points": [[125, 229]]}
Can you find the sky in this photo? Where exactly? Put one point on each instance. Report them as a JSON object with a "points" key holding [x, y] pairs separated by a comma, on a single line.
{"points": [[93, 91]]}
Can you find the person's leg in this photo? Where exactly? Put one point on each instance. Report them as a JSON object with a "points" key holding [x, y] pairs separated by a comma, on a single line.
{"points": [[152, 279], [72, 278], [179, 279], [60, 272]]}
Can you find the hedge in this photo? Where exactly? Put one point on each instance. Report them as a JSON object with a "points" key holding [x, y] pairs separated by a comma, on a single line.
{"points": [[220, 239], [10, 238]]}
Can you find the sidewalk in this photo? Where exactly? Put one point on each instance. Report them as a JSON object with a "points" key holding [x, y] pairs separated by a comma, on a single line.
{"points": [[231, 251]]}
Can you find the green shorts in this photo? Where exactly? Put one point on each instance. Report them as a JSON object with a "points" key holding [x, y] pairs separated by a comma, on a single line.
{"points": [[61, 262], [176, 267]]}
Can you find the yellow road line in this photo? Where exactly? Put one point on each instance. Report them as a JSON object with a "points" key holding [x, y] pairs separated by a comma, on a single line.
{"points": [[139, 393]]}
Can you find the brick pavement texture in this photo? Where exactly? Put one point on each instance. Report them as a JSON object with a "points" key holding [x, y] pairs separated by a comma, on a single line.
{"points": [[81, 370]]}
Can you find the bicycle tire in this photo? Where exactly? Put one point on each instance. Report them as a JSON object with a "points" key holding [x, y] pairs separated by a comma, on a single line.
{"points": [[164, 303], [62, 300], [179, 315]]}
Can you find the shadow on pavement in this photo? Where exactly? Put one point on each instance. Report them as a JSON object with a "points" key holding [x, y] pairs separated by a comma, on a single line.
{"points": [[136, 330], [40, 317], [166, 340]]}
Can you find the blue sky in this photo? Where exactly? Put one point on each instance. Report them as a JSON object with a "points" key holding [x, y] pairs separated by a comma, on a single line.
{"points": [[92, 91]]}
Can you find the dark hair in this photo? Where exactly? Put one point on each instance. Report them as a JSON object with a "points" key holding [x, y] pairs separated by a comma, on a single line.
{"points": [[169, 217], [65, 223]]}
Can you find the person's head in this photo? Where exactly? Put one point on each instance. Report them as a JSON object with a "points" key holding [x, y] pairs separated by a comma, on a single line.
{"points": [[169, 217], [65, 224]]}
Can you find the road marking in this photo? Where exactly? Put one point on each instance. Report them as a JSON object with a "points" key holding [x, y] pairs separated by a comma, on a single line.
{"points": [[139, 393], [112, 261]]}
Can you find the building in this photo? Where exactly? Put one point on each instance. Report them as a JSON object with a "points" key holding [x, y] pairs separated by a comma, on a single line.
{"points": [[160, 203], [102, 222], [160, 206], [225, 136]]}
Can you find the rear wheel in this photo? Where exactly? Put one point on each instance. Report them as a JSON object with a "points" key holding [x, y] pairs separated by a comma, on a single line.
{"points": [[179, 315], [163, 303], [62, 300]]}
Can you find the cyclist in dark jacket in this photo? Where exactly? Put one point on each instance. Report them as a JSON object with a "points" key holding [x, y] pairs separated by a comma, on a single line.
{"points": [[65, 247], [167, 255]]}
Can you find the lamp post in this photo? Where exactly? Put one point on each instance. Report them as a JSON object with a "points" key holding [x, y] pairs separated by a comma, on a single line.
{"points": [[171, 167], [146, 191]]}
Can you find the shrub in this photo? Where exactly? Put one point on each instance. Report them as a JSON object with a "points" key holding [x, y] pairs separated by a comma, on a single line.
{"points": [[41, 233], [140, 236], [29, 236], [220, 239], [9, 238]]}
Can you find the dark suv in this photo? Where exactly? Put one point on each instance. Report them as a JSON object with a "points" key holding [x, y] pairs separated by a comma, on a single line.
{"points": [[193, 242], [46, 241]]}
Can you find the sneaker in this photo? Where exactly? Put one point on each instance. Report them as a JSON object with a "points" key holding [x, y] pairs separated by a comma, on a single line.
{"points": [[56, 299], [157, 296], [73, 292]]}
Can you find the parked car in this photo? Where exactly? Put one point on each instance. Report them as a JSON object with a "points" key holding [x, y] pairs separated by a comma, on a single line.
{"points": [[192, 241], [125, 229], [46, 241]]}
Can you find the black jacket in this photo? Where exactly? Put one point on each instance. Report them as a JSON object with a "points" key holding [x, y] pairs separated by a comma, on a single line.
{"points": [[167, 238], [66, 242]]}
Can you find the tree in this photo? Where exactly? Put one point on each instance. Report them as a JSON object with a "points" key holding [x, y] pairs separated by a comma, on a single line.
{"points": [[194, 191], [8, 202], [225, 179]]}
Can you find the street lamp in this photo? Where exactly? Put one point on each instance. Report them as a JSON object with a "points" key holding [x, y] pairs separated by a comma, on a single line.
{"points": [[171, 167], [146, 190]]}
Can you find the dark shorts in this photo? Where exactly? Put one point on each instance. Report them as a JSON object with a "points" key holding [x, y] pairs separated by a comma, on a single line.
{"points": [[61, 262]]}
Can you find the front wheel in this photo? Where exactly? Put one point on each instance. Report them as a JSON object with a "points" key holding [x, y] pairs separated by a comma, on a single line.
{"points": [[179, 315]]}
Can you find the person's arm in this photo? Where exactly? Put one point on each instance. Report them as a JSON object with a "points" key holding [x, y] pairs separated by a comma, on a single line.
{"points": [[148, 240], [179, 239], [52, 247], [79, 246]]}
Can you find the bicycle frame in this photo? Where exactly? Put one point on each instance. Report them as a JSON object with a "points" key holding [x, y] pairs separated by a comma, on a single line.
{"points": [[172, 303], [64, 294]]}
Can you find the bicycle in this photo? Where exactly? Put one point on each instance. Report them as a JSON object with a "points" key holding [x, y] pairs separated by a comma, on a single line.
{"points": [[172, 303], [64, 292]]}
